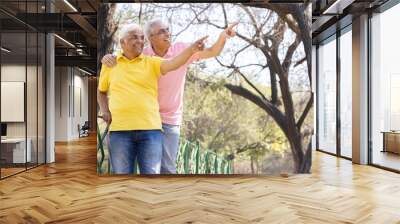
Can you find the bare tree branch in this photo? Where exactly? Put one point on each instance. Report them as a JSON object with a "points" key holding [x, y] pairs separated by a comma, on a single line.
{"points": [[271, 109], [289, 54], [274, 88], [191, 22], [225, 17], [252, 18], [140, 12], [239, 51], [305, 112], [268, 18], [301, 61], [236, 70]]}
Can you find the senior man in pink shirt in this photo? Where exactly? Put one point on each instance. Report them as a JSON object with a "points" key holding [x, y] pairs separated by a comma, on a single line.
{"points": [[171, 86]]}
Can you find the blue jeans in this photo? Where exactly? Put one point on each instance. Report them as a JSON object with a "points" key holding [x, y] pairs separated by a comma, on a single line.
{"points": [[170, 145], [143, 145]]}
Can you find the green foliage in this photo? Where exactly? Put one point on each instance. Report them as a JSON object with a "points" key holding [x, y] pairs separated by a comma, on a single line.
{"points": [[229, 124]]}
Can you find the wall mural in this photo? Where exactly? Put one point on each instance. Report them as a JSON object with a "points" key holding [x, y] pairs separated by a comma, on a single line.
{"points": [[213, 88]]}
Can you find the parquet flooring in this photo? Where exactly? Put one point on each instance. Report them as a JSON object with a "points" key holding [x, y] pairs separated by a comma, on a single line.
{"points": [[69, 191], [10, 171]]}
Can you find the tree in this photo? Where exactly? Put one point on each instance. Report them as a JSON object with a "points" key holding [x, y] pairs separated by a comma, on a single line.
{"points": [[270, 40], [214, 117], [107, 28]]}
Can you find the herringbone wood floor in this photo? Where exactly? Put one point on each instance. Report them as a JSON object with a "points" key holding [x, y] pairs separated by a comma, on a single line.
{"points": [[70, 191]]}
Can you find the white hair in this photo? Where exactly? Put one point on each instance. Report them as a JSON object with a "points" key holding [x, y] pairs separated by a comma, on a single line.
{"points": [[127, 29], [149, 25]]}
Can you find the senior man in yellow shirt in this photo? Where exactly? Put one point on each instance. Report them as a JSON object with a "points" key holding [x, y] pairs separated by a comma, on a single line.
{"points": [[127, 96]]}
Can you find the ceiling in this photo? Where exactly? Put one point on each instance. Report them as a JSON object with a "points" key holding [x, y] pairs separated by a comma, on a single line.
{"points": [[74, 22], [328, 16]]}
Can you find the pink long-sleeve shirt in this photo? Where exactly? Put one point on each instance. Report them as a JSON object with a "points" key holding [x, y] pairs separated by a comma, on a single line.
{"points": [[171, 86]]}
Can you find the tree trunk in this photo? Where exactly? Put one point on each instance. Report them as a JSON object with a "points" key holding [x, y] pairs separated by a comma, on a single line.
{"points": [[252, 164], [306, 163], [106, 27], [302, 161], [257, 166], [274, 89]]}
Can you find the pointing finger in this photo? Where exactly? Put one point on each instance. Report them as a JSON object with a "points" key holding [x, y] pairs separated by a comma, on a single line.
{"points": [[232, 25], [202, 39]]}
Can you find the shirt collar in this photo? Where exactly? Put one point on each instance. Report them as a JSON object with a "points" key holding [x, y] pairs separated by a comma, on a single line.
{"points": [[120, 56], [167, 55]]}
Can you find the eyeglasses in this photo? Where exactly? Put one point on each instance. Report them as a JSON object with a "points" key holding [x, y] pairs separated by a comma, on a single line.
{"points": [[161, 31]]}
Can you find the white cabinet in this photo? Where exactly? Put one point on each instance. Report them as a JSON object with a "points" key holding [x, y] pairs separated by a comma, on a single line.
{"points": [[18, 149]]}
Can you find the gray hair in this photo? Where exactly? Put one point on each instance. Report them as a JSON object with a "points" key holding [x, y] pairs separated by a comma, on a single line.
{"points": [[128, 28], [149, 25]]}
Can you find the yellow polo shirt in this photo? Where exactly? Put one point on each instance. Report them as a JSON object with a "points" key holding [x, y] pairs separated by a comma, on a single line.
{"points": [[132, 87]]}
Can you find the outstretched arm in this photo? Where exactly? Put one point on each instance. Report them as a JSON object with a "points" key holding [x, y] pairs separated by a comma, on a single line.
{"points": [[183, 57], [217, 47]]}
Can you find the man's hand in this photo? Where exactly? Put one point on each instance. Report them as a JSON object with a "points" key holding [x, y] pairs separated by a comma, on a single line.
{"points": [[199, 44], [217, 47], [109, 60], [107, 117], [180, 59], [229, 32]]}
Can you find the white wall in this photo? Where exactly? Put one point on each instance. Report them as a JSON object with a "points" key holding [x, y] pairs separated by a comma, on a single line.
{"points": [[12, 73], [61, 103], [71, 94], [33, 127], [80, 104]]}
